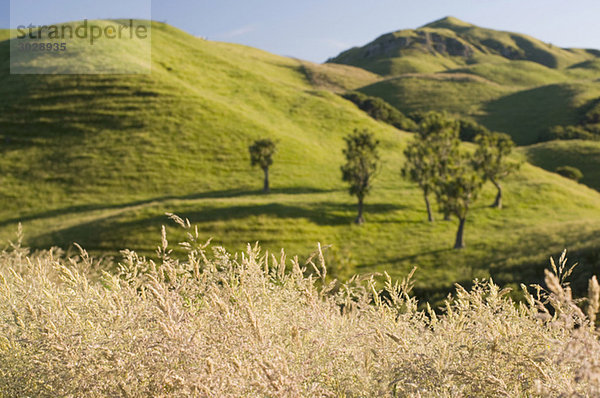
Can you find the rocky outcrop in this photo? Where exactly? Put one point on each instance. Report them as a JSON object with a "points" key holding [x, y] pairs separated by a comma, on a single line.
{"points": [[447, 45], [390, 45], [501, 49]]}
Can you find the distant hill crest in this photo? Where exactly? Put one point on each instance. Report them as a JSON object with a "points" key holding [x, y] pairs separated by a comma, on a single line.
{"points": [[448, 22], [450, 43]]}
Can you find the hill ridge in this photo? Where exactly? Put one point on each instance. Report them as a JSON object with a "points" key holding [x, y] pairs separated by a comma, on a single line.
{"points": [[461, 43], [447, 21]]}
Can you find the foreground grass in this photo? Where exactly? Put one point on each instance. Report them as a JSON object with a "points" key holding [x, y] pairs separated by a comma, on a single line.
{"points": [[219, 325]]}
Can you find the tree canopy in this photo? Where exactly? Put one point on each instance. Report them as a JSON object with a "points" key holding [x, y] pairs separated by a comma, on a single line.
{"points": [[362, 164], [491, 159], [431, 154], [261, 154]]}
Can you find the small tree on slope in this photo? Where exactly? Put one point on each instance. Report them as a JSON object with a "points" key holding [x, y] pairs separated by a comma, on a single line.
{"points": [[362, 164], [420, 168], [261, 154], [432, 154], [458, 193], [491, 160]]}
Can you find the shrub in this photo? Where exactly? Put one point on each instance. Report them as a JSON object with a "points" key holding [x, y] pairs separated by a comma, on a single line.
{"points": [[570, 172], [592, 115], [469, 130], [218, 325], [417, 116], [261, 154], [588, 127], [491, 160], [361, 167], [567, 133], [378, 109], [432, 154], [594, 129]]}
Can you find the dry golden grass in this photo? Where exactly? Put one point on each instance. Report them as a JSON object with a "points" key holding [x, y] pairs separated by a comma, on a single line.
{"points": [[251, 325]]}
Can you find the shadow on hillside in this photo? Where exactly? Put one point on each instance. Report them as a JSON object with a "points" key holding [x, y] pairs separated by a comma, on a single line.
{"points": [[111, 232], [111, 229], [231, 193], [528, 113], [321, 213], [413, 258]]}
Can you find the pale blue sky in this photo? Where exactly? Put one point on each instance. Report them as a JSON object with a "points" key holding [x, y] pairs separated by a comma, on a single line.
{"points": [[318, 29]]}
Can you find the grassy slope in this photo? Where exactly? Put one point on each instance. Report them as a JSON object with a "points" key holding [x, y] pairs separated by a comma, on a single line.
{"points": [[524, 113], [100, 159], [588, 69], [515, 73], [458, 93], [528, 113], [101, 133], [584, 155], [337, 78]]}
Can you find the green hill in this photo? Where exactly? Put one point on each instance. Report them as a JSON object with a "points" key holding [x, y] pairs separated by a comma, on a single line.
{"points": [[506, 81], [449, 43], [100, 159], [181, 130]]}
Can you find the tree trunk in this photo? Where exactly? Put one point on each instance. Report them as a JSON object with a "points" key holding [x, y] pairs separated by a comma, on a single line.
{"points": [[359, 219], [498, 202], [428, 205], [447, 216], [460, 241], [266, 188]]}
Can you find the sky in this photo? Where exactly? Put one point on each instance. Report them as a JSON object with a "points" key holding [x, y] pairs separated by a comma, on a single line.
{"points": [[315, 30]]}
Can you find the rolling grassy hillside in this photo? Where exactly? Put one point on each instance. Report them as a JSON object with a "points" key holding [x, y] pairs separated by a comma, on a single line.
{"points": [[514, 73], [525, 114], [457, 93], [337, 78], [529, 113], [100, 159], [506, 81]]}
